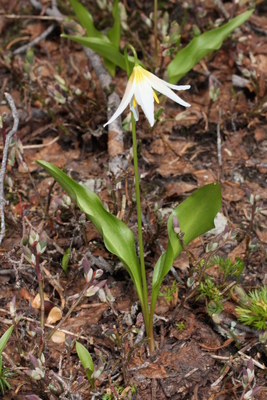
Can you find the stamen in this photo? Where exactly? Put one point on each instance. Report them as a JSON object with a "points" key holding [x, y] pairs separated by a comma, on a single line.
{"points": [[134, 102], [155, 97]]}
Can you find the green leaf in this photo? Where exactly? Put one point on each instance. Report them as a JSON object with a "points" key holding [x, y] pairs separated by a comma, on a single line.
{"points": [[4, 338], [118, 238], [196, 216], [202, 45], [65, 261], [85, 359], [85, 19], [114, 34], [103, 48]]}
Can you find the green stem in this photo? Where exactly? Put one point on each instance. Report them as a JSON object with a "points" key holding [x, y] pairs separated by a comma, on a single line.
{"points": [[144, 299], [126, 58], [139, 222], [156, 30]]}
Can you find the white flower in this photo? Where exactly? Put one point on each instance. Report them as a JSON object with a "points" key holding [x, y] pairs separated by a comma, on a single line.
{"points": [[140, 90]]}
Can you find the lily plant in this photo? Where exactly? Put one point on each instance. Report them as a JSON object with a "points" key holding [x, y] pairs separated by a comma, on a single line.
{"points": [[192, 218]]}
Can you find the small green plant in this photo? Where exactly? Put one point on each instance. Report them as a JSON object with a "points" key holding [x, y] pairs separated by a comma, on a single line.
{"points": [[168, 293], [228, 267], [181, 326], [120, 391], [4, 372], [4, 375], [253, 311], [88, 364], [208, 289]]}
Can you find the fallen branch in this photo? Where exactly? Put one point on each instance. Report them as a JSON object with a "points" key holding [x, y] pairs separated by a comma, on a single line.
{"points": [[4, 161]]}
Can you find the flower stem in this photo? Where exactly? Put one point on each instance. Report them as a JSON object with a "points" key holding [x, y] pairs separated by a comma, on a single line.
{"points": [[140, 236], [126, 58]]}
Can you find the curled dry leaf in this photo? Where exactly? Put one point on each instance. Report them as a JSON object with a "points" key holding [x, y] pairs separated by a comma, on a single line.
{"points": [[58, 337], [36, 303], [26, 294], [54, 315]]}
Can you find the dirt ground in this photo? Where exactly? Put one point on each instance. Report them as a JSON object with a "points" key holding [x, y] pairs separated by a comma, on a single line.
{"points": [[177, 156]]}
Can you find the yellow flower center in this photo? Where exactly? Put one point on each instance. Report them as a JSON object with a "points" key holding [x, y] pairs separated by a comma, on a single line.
{"points": [[138, 73]]}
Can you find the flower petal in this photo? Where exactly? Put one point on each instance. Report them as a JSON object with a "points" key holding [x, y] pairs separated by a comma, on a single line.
{"points": [[164, 88], [144, 97], [176, 87], [129, 91]]}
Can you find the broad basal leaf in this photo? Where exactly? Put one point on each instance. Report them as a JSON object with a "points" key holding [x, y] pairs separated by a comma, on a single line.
{"points": [[102, 47], [202, 45], [118, 238], [196, 216], [114, 34], [85, 19]]}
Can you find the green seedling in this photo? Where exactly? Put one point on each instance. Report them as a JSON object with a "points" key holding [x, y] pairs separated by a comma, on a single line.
{"points": [[228, 267], [168, 293], [181, 326], [88, 364], [117, 390], [65, 261], [209, 290], [4, 372]]}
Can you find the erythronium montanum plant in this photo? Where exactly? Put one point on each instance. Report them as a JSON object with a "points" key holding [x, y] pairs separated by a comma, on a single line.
{"points": [[192, 218]]}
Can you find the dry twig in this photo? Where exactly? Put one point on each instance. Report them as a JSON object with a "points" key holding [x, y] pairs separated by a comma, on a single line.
{"points": [[25, 47], [4, 161]]}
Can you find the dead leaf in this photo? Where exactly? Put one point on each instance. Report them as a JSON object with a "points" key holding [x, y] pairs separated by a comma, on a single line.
{"points": [[58, 337], [262, 235], [204, 176], [239, 251], [44, 186], [36, 303], [157, 147], [54, 315], [233, 192], [260, 133], [174, 166], [179, 188], [153, 370], [115, 147], [25, 294]]}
